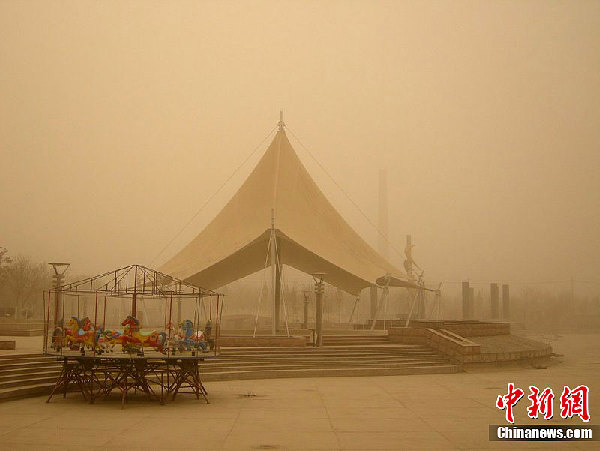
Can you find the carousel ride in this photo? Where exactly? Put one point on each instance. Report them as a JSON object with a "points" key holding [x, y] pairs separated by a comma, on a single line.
{"points": [[96, 326]]}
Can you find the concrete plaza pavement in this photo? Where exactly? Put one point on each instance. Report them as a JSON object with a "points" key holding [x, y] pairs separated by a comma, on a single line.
{"points": [[446, 411]]}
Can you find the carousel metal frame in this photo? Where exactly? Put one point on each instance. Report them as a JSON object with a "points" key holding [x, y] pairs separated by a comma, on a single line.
{"points": [[90, 364]]}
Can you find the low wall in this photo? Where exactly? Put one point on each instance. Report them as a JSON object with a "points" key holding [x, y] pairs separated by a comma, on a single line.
{"points": [[462, 350], [465, 328], [25, 329], [22, 325], [501, 357], [8, 345], [407, 335], [442, 340], [262, 341], [451, 344]]}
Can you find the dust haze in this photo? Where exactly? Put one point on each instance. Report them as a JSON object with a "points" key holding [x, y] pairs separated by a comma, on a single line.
{"points": [[120, 120]]}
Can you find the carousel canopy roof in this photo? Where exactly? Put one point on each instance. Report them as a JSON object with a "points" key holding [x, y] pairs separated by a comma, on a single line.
{"points": [[138, 280], [311, 235]]}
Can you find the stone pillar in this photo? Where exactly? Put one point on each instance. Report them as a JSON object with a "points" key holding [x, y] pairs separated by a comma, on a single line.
{"points": [[495, 300], [466, 295], [505, 302], [471, 303]]}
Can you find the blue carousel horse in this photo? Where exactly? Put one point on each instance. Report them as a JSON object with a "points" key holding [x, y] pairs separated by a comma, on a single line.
{"points": [[189, 339]]}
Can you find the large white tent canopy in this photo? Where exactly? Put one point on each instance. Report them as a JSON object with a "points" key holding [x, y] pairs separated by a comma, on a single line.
{"points": [[279, 197]]}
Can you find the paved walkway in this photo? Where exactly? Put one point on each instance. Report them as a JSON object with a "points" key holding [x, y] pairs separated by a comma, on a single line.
{"points": [[450, 411]]}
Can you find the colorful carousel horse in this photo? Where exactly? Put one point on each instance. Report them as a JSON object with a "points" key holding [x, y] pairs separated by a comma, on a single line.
{"points": [[134, 339], [189, 339], [109, 338], [80, 333]]}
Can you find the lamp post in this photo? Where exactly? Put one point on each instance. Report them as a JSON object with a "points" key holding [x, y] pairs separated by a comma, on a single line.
{"points": [[57, 282], [319, 290]]}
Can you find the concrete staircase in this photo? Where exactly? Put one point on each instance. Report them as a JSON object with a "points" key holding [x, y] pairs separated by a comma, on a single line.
{"points": [[29, 375], [355, 340], [266, 363], [24, 375]]}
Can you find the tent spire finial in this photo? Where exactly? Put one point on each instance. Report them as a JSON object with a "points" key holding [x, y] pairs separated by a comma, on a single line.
{"points": [[281, 124]]}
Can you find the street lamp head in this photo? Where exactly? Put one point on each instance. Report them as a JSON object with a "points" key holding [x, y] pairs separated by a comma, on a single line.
{"points": [[60, 268], [318, 276]]}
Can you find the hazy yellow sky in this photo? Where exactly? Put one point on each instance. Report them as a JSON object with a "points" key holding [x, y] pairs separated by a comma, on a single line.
{"points": [[118, 119]]}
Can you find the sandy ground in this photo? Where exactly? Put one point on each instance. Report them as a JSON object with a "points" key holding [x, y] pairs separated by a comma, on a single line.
{"points": [[393, 412]]}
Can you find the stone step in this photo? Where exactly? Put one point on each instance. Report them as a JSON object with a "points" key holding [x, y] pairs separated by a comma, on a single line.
{"points": [[30, 380], [27, 365], [366, 343], [353, 342], [337, 343], [402, 365], [320, 361], [9, 375], [25, 357], [389, 348], [356, 372], [34, 374], [25, 391], [332, 359], [321, 356], [358, 352], [221, 361]]}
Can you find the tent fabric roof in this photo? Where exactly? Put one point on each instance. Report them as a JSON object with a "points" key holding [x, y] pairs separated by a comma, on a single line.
{"points": [[312, 235]]}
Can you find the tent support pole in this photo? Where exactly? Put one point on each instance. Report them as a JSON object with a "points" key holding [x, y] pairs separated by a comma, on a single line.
{"points": [[277, 291], [274, 274], [373, 303]]}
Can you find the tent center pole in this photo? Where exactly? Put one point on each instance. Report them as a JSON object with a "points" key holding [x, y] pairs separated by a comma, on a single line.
{"points": [[274, 284]]}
